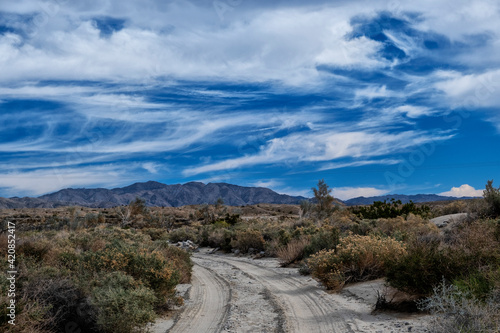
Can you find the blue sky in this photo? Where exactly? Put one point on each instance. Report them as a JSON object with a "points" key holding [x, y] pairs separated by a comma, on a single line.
{"points": [[375, 97]]}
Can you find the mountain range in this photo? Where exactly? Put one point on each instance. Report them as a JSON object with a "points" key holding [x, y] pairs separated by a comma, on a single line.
{"points": [[416, 198], [193, 193], [155, 194]]}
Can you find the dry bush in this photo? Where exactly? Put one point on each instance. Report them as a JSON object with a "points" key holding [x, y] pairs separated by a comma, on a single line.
{"points": [[405, 228], [31, 317], [35, 247], [3, 245], [293, 251], [183, 234], [63, 302], [180, 260], [457, 311], [356, 258], [248, 239], [454, 208]]}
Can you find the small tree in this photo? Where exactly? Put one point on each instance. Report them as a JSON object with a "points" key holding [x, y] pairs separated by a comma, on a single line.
{"points": [[492, 197], [138, 207], [130, 213], [219, 203], [323, 198]]}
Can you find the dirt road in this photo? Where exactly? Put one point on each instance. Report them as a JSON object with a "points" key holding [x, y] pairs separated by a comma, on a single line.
{"points": [[211, 296], [238, 294]]}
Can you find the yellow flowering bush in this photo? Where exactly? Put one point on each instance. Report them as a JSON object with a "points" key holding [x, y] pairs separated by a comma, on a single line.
{"points": [[356, 258]]}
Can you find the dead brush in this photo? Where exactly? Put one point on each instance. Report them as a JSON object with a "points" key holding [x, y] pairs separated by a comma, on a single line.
{"points": [[458, 311], [293, 251]]}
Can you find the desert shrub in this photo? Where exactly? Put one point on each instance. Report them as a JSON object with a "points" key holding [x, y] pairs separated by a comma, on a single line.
{"points": [[477, 207], [183, 234], [459, 311], [156, 233], [69, 278], [454, 208], [424, 264], [232, 219], [248, 239], [218, 237], [150, 266], [325, 239], [35, 248], [391, 209], [293, 251], [478, 284], [124, 305], [92, 219], [31, 317], [356, 258], [492, 197], [179, 259], [63, 303], [404, 228]]}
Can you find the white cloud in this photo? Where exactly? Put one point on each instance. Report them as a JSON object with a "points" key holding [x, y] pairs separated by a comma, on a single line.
{"points": [[322, 146], [464, 190], [282, 45], [267, 183], [471, 91], [151, 167], [376, 92], [332, 166], [43, 181], [413, 111], [345, 193]]}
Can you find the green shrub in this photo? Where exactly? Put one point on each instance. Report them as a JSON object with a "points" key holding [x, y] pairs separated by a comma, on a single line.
{"points": [[183, 234], [422, 267], [124, 305], [492, 197], [155, 271], [217, 236], [325, 239], [391, 209]]}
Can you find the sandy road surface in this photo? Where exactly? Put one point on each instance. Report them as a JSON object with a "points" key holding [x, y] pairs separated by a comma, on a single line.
{"points": [[304, 308], [237, 294], [207, 308]]}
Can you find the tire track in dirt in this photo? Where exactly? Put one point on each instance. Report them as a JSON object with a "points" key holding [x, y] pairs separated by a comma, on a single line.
{"points": [[303, 307], [208, 305]]}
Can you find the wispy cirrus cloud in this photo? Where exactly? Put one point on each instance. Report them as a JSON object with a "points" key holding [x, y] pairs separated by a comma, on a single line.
{"points": [[260, 92], [321, 147]]}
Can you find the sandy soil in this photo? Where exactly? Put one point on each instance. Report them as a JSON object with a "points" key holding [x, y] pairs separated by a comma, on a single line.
{"points": [[239, 294]]}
